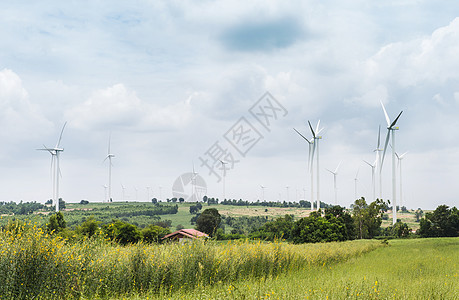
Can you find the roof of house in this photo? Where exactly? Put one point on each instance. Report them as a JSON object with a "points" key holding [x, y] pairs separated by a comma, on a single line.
{"points": [[191, 233]]}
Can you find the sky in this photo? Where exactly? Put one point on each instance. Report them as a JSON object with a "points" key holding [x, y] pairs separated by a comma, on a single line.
{"points": [[180, 85]]}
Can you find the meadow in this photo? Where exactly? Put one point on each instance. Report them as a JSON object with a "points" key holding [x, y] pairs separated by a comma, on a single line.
{"points": [[406, 269], [34, 264]]}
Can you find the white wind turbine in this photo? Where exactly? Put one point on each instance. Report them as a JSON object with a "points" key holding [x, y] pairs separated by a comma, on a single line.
{"points": [[378, 162], [262, 193], [400, 157], [105, 192], [123, 190], [391, 131], [310, 165], [109, 157], [317, 137], [56, 171], [193, 196], [355, 183], [373, 171], [335, 174], [224, 175]]}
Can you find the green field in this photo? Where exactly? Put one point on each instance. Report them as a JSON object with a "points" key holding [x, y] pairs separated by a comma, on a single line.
{"points": [[407, 269]]}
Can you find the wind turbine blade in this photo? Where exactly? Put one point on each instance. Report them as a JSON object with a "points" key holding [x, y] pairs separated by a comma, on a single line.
{"points": [[379, 137], [385, 114], [337, 168], [330, 171], [401, 156], [385, 148], [302, 135], [396, 119], [312, 130], [109, 141], [317, 127], [60, 136], [368, 163]]}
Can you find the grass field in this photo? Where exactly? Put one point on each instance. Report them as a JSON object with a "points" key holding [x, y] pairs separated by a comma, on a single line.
{"points": [[408, 269]]}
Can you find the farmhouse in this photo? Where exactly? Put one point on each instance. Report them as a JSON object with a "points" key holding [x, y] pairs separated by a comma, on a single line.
{"points": [[183, 235]]}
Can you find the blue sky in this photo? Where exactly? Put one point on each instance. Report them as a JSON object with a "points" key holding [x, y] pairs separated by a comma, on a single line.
{"points": [[168, 79]]}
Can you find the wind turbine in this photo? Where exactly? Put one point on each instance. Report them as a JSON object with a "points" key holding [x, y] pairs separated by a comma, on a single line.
{"points": [[355, 183], [391, 131], [56, 171], [310, 165], [400, 157], [317, 137], [194, 174], [123, 189], [378, 162], [224, 175], [288, 194], [262, 192], [373, 170], [105, 192], [109, 157], [335, 173]]}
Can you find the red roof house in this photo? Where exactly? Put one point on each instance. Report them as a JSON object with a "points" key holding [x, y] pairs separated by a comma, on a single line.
{"points": [[185, 234]]}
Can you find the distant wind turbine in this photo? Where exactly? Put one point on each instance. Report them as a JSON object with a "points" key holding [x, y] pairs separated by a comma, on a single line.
{"points": [[110, 164], [378, 161], [55, 169], [317, 137], [310, 165], [400, 157], [355, 183], [224, 175], [262, 193], [335, 174], [391, 131], [373, 171]]}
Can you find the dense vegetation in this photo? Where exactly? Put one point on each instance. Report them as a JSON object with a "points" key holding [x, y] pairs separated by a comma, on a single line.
{"points": [[35, 264]]}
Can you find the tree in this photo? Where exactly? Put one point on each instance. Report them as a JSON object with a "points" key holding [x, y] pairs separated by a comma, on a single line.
{"points": [[208, 221], [368, 217], [84, 202], [56, 223], [154, 234], [89, 227], [193, 209], [344, 217], [418, 214], [442, 222], [154, 200], [281, 228], [61, 204]]}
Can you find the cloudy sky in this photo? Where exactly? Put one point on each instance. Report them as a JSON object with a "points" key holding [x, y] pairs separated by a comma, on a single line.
{"points": [[176, 81]]}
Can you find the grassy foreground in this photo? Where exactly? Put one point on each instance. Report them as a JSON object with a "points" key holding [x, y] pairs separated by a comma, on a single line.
{"points": [[408, 269], [35, 265]]}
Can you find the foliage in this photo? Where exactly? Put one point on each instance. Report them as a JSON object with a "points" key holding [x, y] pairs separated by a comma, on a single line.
{"points": [[399, 230], [34, 265], [208, 221], [281, 228], [56, 223], [21, 208], [244, 224], [123, 233], [442, 222], [368, 217], [89, 227], [154, 234]]}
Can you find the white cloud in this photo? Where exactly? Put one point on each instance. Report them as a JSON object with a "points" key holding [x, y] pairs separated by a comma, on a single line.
{"points": [[119, 107], [20, 119]]}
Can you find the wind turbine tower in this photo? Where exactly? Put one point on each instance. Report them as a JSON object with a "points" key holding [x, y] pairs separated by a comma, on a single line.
{"points": [[56, 171], [109, 157], [335, 174], [310, 165], [373, 170], [317, 137], [391, 131], [224, 175], [400, 157], [378, 162]]}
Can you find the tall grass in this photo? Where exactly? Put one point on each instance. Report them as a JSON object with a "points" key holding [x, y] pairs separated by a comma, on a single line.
{"points": [[36, 265], [408, 269]]}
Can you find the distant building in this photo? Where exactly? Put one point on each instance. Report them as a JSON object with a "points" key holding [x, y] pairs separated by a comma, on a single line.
{"points": [[184, 235]]}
